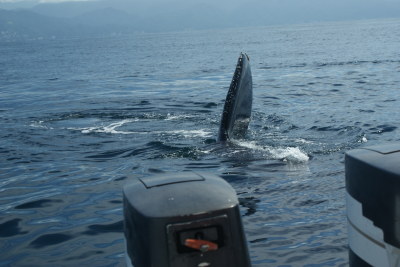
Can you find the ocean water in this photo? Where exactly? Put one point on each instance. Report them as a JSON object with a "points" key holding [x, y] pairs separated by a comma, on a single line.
{"points": [[82, 117]]}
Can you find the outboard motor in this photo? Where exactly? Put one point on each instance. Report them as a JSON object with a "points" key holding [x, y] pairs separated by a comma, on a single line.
{"points": [[373, 205], [183, 219]]}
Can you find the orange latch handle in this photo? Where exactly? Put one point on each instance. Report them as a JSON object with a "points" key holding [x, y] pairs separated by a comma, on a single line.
{"points": [[202, 245]]}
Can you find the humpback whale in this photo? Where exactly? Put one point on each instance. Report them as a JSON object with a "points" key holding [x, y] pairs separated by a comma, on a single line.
{"points": [[236, 115]]}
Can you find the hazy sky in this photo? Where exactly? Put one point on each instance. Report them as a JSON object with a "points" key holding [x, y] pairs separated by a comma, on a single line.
{"points": [[168, 15], [55, 1]]}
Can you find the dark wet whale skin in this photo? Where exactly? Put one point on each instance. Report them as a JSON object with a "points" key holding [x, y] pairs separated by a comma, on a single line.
{"points": [[237, 109]]}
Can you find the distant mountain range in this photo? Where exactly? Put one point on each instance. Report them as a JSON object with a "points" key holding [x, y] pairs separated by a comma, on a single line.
{"points": [[38, 20]]}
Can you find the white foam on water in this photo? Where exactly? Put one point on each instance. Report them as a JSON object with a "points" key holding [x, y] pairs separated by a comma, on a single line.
{"points": [[290, 154], [39, 124], [303, 141], [111, 128], [363, 139], [171, 117], [191, 133]]}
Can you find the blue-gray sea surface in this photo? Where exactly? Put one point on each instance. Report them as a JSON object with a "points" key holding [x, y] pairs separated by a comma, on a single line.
{"points": [[81, 117]]}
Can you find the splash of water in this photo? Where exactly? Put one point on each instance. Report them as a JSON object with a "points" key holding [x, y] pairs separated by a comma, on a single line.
{"points": [[290, 154]]}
